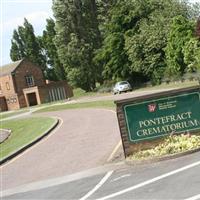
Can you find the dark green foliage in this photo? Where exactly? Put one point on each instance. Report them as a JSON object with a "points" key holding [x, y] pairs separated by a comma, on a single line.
{"points": [[95, 41], [25, 44], [77, 40], [191, 54], [198, 28], [179, 39], [136, 37], [55, 70], [112, 55]]}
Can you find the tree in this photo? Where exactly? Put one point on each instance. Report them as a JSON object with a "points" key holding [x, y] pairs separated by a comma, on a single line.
{"points": [[17, 51], [55, 70], [182, 30], [77, 39], [191, 53], [103, 10], [25, 44], [194, 10], [136, 37], [198, 28]]}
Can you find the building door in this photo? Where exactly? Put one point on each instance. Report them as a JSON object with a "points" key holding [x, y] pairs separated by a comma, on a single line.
{"points": [[32, 99]]}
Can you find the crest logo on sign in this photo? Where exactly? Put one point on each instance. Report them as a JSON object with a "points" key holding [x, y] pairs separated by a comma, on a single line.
{"points": [[151, 107]]}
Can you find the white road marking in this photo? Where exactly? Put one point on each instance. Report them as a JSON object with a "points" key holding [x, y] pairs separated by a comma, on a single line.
{"points": [[118, 145], [151, 181], [121, 177], [103, 180], [196, 197], [39, 185], [35, 145], [114, 151]]}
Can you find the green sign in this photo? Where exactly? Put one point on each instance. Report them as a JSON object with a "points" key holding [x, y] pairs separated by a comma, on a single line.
{"points": [[155, 118]]}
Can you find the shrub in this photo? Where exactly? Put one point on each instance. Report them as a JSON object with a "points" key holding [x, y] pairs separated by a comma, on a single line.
{"points": [[171, 145]]}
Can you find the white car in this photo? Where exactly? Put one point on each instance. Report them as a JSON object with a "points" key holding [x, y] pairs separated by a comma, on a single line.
{"points": [[122, 86]]}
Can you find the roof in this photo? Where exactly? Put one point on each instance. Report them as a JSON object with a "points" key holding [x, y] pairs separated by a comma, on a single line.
{"points": [[9, 68]]}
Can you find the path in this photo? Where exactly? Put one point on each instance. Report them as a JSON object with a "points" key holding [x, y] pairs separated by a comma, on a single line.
{"points": [[85, 140]]}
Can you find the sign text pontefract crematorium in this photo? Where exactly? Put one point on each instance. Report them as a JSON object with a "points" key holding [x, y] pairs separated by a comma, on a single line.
{"points": [[155, 118]]}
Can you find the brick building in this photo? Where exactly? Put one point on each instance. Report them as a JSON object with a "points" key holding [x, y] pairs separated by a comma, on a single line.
{"points": [[22, 84]]}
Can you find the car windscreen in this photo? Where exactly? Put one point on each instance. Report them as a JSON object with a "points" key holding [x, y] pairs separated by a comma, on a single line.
{"points": [[123, 83]]}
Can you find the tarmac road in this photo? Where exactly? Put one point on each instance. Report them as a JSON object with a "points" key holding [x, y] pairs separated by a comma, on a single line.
{"points": [[84, 140], [173, 179]]}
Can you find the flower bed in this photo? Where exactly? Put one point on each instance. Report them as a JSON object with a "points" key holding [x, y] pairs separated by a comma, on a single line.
{"points": [[171, 145]]}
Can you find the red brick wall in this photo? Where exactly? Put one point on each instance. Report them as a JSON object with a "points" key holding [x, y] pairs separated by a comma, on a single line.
{"points": [[22, 101], [8, 91], [27, 68], [7, 87], [43, 93], [12, 102], [3, 105], [14, 95]]}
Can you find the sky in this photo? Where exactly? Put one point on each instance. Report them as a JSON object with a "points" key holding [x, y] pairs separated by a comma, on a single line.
{"points": [[13, 13]]}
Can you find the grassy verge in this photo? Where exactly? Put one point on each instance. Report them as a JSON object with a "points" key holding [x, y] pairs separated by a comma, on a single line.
{"points": [[170, 85], [171, 145], [10, 114], [79, 93], [96, 104], [23, 132]]}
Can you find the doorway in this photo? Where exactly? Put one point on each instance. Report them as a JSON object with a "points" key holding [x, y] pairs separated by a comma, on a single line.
{"points": [[32, 99]]}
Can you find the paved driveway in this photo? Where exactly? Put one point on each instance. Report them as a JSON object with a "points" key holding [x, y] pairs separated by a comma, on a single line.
{"points": [[85, 140]]}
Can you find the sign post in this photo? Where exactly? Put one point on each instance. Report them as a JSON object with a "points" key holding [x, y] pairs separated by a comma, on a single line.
{"points": [[145, 120]]}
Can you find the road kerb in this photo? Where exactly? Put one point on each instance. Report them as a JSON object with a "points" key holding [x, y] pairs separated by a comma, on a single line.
{"points": [[19, 151], [114, 151]]}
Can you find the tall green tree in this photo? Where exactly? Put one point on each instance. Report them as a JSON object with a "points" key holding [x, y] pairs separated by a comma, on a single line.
{"points": [[55, 69], [191, 51], [191, 54], [136, 37], [194, 10], [198, 28], [77, 39], [181, 32], [25, 44], [103, 8], [17, 51], [112, 55]]}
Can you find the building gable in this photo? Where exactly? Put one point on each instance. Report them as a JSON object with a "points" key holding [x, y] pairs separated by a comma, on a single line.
{"points": [[9, 68]]}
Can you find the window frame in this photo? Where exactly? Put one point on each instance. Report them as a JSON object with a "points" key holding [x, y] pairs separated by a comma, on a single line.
{"points": [[7, 86], [30, 80]]}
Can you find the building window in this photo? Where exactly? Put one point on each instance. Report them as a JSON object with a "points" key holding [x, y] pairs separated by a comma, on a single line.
{"points": [[29, 81], [7, 86]]}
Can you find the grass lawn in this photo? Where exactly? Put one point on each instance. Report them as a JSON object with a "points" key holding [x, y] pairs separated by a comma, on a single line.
{"points": [[96, 104], [10, 114], [23, 132], [78, 93], [184, 84]]}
